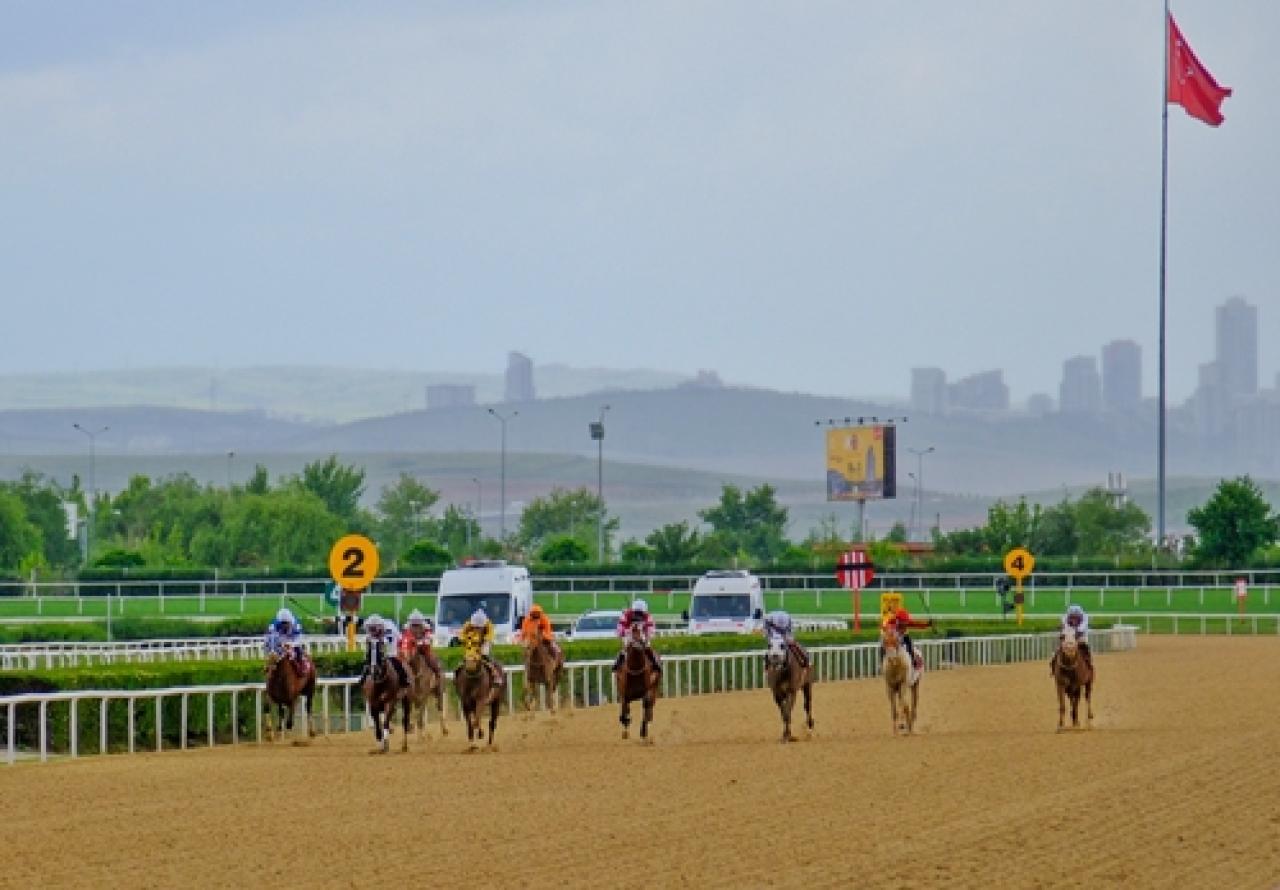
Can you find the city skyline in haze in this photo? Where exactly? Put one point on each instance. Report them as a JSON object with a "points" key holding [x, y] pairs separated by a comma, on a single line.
{"points": [[813, 198]]}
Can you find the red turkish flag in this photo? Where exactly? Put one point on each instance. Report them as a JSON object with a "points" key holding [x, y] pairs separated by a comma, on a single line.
{"points": [[1190, 83]]}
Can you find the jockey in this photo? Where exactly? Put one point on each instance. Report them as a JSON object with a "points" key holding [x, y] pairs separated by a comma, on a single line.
{"points": [[284, 633], [537, 622], [384, 630], [637, 615], [477, 633], [777, 625], [1077, 618], [420, 633], [902, 621]]}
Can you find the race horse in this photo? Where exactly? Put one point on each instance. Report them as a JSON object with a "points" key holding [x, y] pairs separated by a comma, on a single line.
{"points": [[427, 685], [900, 678], [1071, 675], [789, 673], [477, 689], [382, 692], [543, 666], [637, 680], [288, 679]]}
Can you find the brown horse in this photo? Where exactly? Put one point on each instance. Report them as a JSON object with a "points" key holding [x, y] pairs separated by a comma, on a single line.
{"points": [[637, 680], [382, 692], [1071, 675], [288, 679], [477, 689], [788, 675], [900, 677], [543, 666], [427, 685]]}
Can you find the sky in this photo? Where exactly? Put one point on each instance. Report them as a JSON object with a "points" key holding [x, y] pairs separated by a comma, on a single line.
{"points": [[804, 196]]}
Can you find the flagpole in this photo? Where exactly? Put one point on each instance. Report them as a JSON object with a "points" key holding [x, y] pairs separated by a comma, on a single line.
{"points": [[1164, 213]]}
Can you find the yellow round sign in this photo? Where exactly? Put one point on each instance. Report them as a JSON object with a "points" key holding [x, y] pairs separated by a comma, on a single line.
{"points": [[353, 562], [1018, 563]]}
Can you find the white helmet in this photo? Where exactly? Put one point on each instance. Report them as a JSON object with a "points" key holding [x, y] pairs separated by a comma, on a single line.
{"points": [[1075, 609], [640, 606], [416, 617], [479, 618], [373, 622], [284, 615]]}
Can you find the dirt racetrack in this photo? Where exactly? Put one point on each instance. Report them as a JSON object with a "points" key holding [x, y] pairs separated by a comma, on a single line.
{"points": [[1177, 786]]}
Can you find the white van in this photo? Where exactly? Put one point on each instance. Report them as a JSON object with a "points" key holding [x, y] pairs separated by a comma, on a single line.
{"points": [[504, 592], [726, 601]]}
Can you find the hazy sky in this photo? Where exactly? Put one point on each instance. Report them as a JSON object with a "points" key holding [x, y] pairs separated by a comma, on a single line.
{"points": [[811, 196]]}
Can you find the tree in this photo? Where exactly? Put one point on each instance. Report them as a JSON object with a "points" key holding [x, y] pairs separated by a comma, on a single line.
{"points": [[633, 553], [674, 544], [458, 530], [259, 482], [564, 512], [337, 485], [44, 501], [19, 537], [402, 508], [1106, 527], [426, 553], [564, 549], [752, 523], [1234, 524], [897, 534]]}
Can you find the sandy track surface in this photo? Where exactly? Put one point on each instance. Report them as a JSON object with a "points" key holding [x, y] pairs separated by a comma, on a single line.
{"points": [[1178, 785]]}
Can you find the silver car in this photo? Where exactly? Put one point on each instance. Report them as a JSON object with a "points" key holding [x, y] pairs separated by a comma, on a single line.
{"points": [[601, 624]]}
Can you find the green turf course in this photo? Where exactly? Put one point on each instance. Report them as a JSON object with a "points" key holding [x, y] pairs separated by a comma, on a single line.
{"points": [[833, 603]]}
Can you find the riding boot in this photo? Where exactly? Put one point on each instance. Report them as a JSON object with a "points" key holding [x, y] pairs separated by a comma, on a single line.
{"points": [[657, 665], [400, 671], [1088, 656], [911, 650], [617, 662]]}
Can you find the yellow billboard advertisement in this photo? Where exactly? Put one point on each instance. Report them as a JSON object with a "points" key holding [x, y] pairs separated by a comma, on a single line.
{"points": [[861, 463]]}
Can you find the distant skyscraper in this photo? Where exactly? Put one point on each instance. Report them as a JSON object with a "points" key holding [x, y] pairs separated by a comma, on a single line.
{"points": [[1081, 389], [928, 391], [1121, 376], [1237, 348], [519, 378], [985, 391], [1039, 404], [450, 395]]}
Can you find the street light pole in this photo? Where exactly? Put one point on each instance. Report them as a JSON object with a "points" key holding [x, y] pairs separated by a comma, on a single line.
{"points": [[597, 433], [479, 506], [93, 486], [230, 455], [920, 453], [502, 483]]}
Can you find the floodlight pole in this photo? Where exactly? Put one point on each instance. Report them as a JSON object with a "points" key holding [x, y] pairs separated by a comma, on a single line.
{"points": [[502, 483], [597, 432], [93, 486]]}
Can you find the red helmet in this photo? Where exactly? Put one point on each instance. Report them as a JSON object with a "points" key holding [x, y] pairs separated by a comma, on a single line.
{"points": [[902, 615]]}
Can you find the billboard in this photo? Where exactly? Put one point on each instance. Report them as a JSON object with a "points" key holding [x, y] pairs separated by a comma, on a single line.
{"points": [[862, 463]]}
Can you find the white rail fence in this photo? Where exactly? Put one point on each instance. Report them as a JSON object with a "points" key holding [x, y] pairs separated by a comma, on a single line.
{"points": [[41, 725], [71, 654]]}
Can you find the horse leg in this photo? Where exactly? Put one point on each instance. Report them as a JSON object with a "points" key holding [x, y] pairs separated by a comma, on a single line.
{"points": [[785, 703], [444, 728], [625, 716], [307, 700], [649, 699], [406, 720], [807, 690], [1062, 707], [493, 719], [893, 708], [1075, 708], [1088, 700], [913, 713], [378, 737]]}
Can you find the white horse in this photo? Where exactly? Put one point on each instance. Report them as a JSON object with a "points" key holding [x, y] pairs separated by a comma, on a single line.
{"points": [[900, 677]]}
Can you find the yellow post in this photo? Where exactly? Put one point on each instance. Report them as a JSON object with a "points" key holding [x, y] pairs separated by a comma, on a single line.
{"points": [[351, 634], [1017, 599]]}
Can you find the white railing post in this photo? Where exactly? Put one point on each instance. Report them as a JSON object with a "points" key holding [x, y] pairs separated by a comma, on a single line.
{"points": [[74, 742]]}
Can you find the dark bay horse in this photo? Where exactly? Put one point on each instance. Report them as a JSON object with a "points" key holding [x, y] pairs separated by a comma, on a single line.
{"points": [[1072, 675], [288, 679], [543, 666], [787, 676], [637, 680], [382, 692], [477, 689], [427, 685]]}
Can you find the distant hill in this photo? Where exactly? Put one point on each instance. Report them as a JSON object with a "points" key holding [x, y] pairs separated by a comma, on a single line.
{"points": [[320, 393]]}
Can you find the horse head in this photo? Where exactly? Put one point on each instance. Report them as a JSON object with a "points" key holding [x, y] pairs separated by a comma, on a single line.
{"points": [[1070, 646], [890, 639], [471, 657], [776, 654], [376, 659], [636, 636]]}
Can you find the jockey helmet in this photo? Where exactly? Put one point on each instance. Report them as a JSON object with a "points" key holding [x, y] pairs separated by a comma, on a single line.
{"points": [[284, 616], [536, 611], [373, 623], [416, 617], [479, 618], [902, 615], [1075, 609], [640, 606]]}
